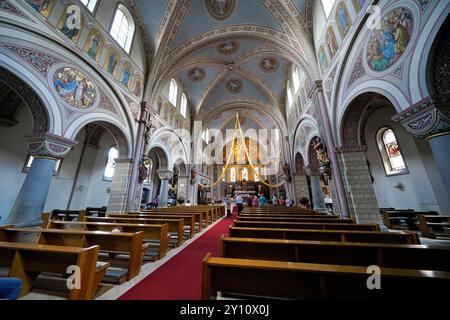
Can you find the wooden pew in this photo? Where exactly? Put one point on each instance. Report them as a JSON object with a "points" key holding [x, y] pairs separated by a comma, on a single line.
{"points": [[26, 261], [97, 212], [198, 216], [205, 215], [294, 280], [152, 232], [434, 226], [210, 211], [67, 215], [287, 215], [189, 220], [111, 242], [340, 253], [326, 235], [299, 220], [307, 225], [403, 219], [175, 226]]}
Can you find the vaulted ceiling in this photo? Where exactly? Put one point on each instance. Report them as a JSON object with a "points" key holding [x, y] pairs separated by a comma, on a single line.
{"points": [[228, 51]]}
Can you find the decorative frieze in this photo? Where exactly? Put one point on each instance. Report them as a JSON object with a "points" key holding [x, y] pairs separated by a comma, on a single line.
{"points": [[426, 118]]}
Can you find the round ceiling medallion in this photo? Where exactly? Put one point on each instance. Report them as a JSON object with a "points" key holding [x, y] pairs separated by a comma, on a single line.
{"points": [[227, 47], [196, 74], [74, 87], [269, 64], [234, 86], [220, 9], [388, 43]]}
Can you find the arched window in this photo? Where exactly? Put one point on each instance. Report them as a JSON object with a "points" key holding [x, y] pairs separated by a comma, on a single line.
{"points": [[113, 154], [90, 4], [173, 91], [289, 93], [233, 175], [390, 152], [244, 174], [183, 105], [122, 29], [296, 79], [327, 6], [256, 174], [205, 135]]}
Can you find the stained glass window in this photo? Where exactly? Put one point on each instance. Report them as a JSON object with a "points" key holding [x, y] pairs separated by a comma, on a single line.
{"points": [[390, 152]]}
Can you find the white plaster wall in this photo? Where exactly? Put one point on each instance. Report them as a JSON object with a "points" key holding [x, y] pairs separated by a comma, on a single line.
{"points": [[61, 185], [13, 153], [97, 195], [421, 183]]}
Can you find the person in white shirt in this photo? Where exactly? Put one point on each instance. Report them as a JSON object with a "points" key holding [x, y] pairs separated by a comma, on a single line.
{"points": [[274, 200], [239, 203]]}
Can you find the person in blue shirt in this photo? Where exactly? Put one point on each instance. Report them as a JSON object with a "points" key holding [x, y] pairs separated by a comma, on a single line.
{"points": [[262, 200], [10, 288]]}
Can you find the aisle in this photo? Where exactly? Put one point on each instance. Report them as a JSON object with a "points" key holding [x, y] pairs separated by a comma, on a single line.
{"points": [[180, 278]]}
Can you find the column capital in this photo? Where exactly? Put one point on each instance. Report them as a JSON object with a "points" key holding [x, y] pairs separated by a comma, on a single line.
{"points": [[317, 87], [427, 118], [49, 145], [164, 174]]}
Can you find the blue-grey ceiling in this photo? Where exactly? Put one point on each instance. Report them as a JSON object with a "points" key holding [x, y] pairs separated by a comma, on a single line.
{"points": [[151, 11], [301, 6], [246, 12], [220, 93]]}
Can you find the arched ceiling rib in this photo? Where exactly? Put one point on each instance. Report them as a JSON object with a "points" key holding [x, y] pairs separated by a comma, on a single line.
{"points": [[187, 35]]}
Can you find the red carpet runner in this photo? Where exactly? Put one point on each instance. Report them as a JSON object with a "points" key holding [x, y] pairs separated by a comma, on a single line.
{"points": [[180, 278]]}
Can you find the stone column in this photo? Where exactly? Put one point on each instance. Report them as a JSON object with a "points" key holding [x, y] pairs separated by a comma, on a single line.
{"points": [[316, 189], [301, 187], [430, 119], [335, 200], [118, 195], [290, 185], [164, 175], [317, 90], [183, 185], [132, 201], [46, 150], [360, 193]]}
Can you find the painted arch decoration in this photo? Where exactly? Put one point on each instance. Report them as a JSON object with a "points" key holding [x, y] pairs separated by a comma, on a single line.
{"points": [[74, 88], [388, 43]]}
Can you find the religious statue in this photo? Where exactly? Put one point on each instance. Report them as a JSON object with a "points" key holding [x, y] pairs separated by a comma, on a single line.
{"points": [[193, 175], [149, 130], [322, 155], [287, 172], [143, 171]]}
